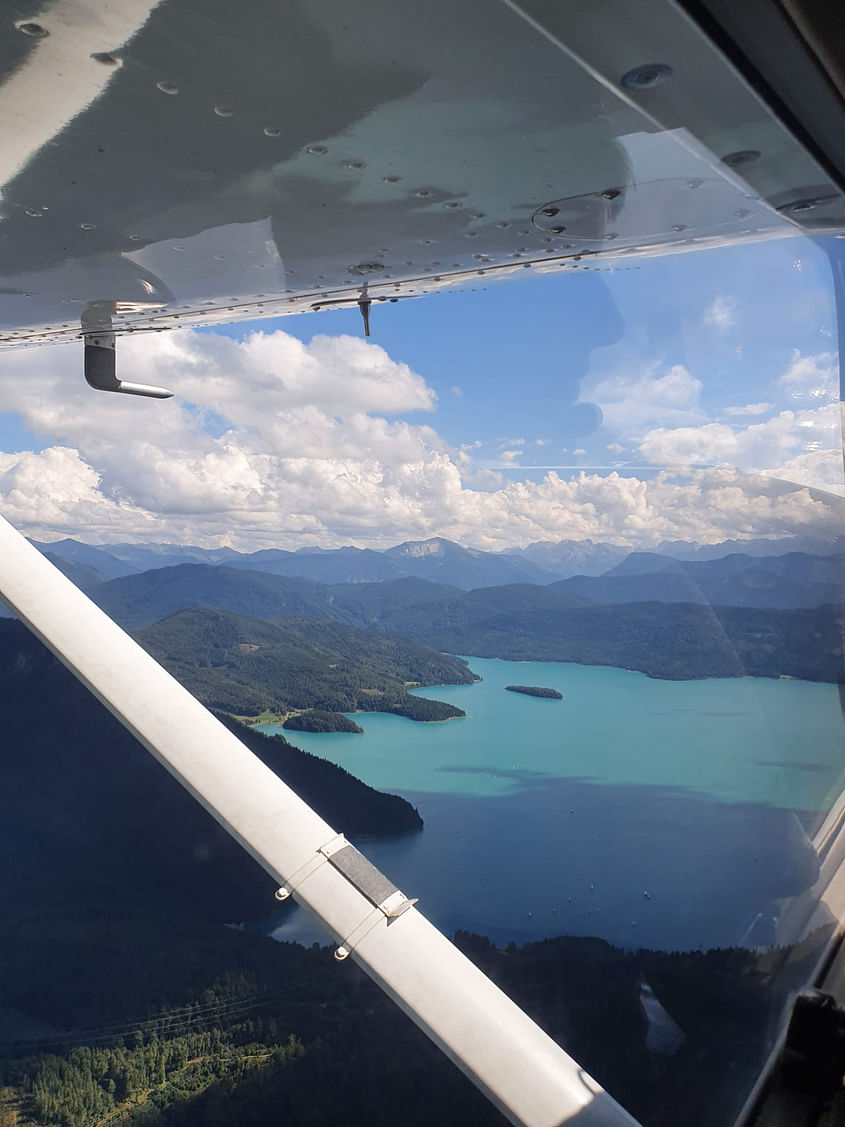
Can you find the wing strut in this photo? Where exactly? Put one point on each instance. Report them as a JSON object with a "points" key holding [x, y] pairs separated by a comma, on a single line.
{"points": [[517, 1066]]}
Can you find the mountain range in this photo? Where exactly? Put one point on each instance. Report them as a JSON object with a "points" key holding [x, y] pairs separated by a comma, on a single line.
{"points": [[793, 580], [740, 613], [110, 864], [530, 622], [437, 560], [789, 582]]}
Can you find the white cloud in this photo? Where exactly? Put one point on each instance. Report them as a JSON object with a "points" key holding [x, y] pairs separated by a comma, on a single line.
{"points": [[457, 391], [297, 422], [821, 469], [300, 452], [483, 478], [510, 457], [708, 506], [332, 504], [766, 447], [56, 489], [721, 314], [633, 403], [243, 380], [749, 409], [812, 377], [615, 447]]}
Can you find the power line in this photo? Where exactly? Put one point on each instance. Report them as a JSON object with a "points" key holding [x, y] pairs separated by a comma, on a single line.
{"points": [[165, 1023]]}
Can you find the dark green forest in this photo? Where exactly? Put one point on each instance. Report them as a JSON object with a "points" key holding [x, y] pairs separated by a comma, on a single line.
{"points": [[794, 579], [82, 804], [136, 601], [569, 621], [521, 621], [139, 988], [676, 641], [247, 666], [535, 691], [168, 1021], [140, 991], [318, 720]]}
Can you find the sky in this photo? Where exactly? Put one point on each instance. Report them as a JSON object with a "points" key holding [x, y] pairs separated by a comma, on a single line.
{"points": [[689, 397]]}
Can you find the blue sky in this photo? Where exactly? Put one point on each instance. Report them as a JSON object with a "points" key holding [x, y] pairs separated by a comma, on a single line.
{"points": [[587, 403], [511, 359]]}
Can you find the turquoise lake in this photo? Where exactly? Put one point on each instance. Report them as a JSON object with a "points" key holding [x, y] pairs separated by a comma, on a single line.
{"points": [[660, 813]]}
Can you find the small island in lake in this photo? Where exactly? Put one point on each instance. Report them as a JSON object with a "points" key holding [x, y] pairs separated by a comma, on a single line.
{"points": [[320, 720], [535, 691]]}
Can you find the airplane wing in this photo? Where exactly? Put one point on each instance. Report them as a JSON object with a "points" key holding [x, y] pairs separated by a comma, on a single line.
{"points": [[168, 164]]}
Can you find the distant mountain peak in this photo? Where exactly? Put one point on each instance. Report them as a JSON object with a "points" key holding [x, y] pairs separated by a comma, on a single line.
{"points": [[420, 549]]}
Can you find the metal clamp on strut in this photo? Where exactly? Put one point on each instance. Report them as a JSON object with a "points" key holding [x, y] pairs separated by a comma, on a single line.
{"points": [[385, 897]]}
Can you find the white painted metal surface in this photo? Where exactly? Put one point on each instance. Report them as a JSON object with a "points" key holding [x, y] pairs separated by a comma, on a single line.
{"points": [[211, 164], [507, 1056]]}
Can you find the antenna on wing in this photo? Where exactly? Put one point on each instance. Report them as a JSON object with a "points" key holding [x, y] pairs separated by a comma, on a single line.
{"points": [[364, 304], [100, 354]]}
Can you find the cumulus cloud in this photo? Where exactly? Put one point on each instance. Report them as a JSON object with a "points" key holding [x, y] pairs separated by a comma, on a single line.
{"points": [[331, 504], [821, 469], [343, 375], [56, 489], [812, 377], [768, 446], [273, 442], [634, 402], [721, 314], [749, 409]]}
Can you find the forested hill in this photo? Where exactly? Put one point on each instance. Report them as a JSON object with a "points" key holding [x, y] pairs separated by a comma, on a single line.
{"points": [[369, 604], [87, 815], [214, 1027], [522, 621], [136, 601], [679, 641], [245, 666], [139, 600], [793, 580]]}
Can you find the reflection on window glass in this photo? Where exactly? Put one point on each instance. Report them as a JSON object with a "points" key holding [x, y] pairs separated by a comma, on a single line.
{"points": [[591, 520]]}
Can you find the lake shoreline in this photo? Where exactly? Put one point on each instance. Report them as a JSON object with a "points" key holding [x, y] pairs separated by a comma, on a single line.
{"points": [[640, 784]]}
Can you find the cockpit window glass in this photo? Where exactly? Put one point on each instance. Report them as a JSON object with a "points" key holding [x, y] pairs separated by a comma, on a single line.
{"points": [[555, 566]]}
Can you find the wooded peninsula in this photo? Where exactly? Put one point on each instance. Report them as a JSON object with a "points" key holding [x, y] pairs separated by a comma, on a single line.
{"points": [[246, 666], [319, 720]]}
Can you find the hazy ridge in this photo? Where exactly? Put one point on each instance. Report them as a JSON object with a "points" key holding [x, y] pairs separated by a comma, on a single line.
{"points": [[437, 559]]}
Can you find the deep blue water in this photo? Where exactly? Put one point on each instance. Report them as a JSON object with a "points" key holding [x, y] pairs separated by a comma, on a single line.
{"points": [[654, 813]]}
